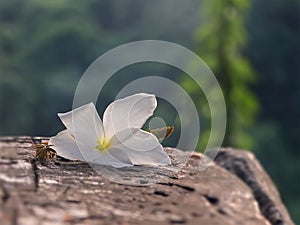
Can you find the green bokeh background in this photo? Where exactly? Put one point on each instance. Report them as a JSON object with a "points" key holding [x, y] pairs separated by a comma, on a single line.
{"points": [[252, 47]]}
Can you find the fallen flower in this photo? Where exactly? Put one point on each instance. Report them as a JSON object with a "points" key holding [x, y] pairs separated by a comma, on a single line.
{"points": [[162, 133], [44, 151], [118, 141]]}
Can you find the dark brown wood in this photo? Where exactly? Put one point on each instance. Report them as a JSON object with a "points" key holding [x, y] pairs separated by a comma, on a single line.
{"points": [[66, 192]]}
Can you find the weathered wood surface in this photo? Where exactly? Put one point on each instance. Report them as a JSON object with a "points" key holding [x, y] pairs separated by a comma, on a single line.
{"points": [[66, 192]]}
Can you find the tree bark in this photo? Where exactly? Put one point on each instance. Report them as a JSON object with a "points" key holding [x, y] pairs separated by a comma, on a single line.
{"points": [[59, 191]]}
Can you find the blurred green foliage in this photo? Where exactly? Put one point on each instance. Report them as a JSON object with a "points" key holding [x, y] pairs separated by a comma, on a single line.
{"points": [[274, 51], [252, 46], [221, 42]]}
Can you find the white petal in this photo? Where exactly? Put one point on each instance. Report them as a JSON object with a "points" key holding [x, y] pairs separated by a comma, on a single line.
{"points": [[64, 144], [129, 112], [142, 148], [84, 123], [93, 156]]}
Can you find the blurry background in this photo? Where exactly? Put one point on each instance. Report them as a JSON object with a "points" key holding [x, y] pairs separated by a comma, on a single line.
{"points": [[252, 47]]}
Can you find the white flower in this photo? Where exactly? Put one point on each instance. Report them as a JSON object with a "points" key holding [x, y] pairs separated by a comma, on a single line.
{"points": [[118, 141]]}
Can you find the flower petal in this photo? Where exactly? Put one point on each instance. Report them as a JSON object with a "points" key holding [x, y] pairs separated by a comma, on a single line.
{"points": [[142, 147], [129, 112], [65, 146], [93, 156], [84, 123]]}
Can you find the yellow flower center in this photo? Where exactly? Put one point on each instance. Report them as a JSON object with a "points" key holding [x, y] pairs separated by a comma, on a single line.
{"points": [[103, 144]]}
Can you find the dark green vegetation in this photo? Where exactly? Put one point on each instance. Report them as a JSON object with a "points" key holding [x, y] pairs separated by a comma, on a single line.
{"points": [[252, 46]]}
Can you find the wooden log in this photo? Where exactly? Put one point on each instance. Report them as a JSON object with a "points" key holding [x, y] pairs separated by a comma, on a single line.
{"points": [[67, 192]]}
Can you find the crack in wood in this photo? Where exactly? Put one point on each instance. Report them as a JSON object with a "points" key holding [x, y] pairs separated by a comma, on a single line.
{"points": [[184, 187], [35, 174], [161, 193], [5, 195], [211, 199]]}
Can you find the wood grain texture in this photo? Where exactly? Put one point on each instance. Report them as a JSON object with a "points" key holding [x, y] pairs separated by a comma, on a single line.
{"points": [[66, 192]]}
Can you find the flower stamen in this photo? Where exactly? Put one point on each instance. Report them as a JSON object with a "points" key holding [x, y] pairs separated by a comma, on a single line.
{"points": [[103, 144]]}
